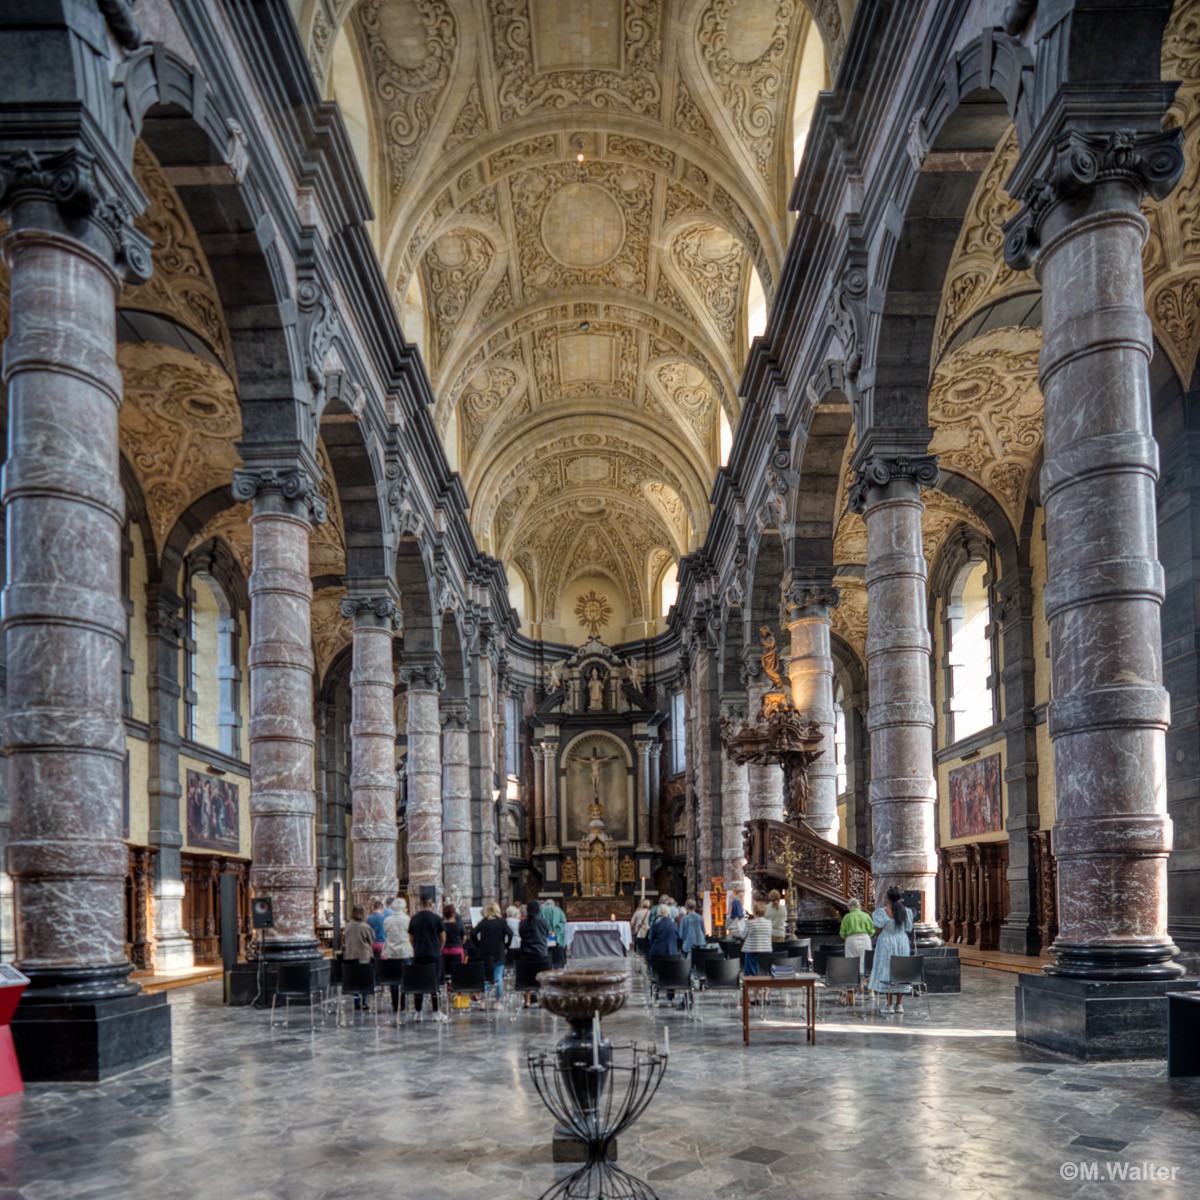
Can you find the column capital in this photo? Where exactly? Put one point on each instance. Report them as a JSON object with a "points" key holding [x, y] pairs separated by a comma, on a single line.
{"points": [[294, 484], [65, 186], [424, 675], [799, 594], [455, 714], [878, 471], [372, 612], [1076, 164]]}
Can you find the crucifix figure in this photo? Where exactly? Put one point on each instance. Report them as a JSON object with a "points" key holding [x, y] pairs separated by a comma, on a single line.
{"points": [[595, 760]]}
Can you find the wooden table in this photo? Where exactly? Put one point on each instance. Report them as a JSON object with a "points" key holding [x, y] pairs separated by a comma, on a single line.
{"points": [[805, 980]]}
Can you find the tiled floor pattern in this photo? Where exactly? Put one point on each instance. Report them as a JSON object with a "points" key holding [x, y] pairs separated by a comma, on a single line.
{"points": [[948, 1106]]}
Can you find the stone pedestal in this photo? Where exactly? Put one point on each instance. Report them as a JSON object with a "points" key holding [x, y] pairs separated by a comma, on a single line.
{"points": [[64, 624], [811, 673], [887, 491], [1095, 1019], [282, 801], [423, 772], [456, 798], [372, 749]]}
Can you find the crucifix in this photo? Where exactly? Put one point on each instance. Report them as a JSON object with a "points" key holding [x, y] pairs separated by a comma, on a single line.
{"points": [[595, 760]]}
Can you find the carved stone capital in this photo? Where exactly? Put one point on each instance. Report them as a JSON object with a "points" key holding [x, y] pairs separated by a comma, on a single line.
{"points": [[423, 676], [1148, 163], [878, 472], [455, 714], [295, 485], [800, 595], [372, 609], [66, 179]]}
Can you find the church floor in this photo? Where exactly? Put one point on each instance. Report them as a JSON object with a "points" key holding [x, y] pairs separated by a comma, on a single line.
{"points": [[948, 1106]]}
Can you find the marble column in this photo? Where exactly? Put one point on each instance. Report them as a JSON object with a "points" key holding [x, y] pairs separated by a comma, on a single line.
{"points": [[550, 790], [811, 672], [372, 748], [286, 501], [1104, 590], [735, 806], [172, 946], [456, 797], [655, 796], [642, 793], [764, 782], [64, 621], [539, 798], [423, 776], [903, 792]]}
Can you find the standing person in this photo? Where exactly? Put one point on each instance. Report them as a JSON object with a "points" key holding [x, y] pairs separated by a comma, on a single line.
{"points": [[894, 923], [428, 933], [735, 923], [856, 928], [534, 933], [556, 921], [776, 913], [491, 938], [758, 939], [639, 926], [691, 929], [514, 917], [455, 934], [376, 920], [357, 937], [397, 944]]}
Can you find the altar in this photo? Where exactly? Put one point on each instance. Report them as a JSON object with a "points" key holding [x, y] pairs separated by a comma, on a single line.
{"points": [[598, 939]]}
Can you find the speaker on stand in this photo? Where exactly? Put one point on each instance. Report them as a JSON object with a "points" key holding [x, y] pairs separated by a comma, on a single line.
{"points": [[262, 918]]}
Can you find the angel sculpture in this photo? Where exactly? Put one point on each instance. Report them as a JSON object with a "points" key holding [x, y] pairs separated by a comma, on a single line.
{"points": [[770, 656]]}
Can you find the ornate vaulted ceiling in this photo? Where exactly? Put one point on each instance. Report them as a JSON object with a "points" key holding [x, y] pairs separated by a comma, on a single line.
{"points": [[579, 205]]}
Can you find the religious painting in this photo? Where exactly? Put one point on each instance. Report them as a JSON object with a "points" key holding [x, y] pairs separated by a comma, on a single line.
{"points": [[596, 771], [975, 805], [212, 812]]}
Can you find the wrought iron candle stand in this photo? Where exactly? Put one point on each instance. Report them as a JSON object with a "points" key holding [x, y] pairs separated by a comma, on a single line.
{"points": [[592, 1094]]}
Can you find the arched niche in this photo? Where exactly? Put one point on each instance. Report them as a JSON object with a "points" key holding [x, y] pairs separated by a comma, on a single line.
{"points": [[615, 785]]}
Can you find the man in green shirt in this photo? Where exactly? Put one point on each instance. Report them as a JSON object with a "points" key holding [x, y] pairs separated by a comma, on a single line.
{"points": [[856, 928], [556, 919]]}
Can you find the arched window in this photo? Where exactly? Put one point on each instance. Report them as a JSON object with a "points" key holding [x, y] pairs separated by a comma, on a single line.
{"points": [[839, 736], [971, 673], [724, 439], [668, 588], [212, 679]]}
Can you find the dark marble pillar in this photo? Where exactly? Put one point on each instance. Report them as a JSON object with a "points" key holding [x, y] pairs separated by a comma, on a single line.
{"points": [[807, 608], [64, 622], [423, 776], [172, 948], [1104, 997], [372, 748], [1104, 583], [903, 793], [539, 798], [456, 798], [282, 800]]}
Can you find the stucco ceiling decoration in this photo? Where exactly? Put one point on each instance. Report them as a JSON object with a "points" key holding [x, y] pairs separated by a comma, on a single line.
{"points": [[605, 296], [986, 411], [1171, 258], [232, 526], [178, 425], [331, 631], [181, 286], [327, 543]]}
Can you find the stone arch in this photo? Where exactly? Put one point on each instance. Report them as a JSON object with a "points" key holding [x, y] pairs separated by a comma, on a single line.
{"points": [[980, 91], [172, 109], [414, 578]]}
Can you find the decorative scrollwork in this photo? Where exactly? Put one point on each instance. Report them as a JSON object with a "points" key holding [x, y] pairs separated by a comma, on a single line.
{"points": [[877, 472], [294, 484]]}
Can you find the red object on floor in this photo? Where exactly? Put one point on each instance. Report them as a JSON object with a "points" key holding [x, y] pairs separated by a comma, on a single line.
{"points": [[12, 986]]}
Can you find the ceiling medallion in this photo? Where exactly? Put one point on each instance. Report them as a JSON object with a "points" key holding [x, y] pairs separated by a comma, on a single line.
{"points": [[593, 612]]}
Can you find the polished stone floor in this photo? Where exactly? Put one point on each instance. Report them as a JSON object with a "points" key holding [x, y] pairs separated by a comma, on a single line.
{"points": [[910, 1108]]}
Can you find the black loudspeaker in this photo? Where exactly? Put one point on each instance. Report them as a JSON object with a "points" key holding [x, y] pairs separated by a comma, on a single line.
{"points": [[261, 914], [913, 902], [429, 893]]}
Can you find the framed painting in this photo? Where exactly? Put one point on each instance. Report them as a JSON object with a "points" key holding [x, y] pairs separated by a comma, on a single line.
{"points": [[975, 798], [212, 812]]}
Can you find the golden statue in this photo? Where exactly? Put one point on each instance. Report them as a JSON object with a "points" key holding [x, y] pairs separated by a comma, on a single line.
{"points": [[770, 656]]}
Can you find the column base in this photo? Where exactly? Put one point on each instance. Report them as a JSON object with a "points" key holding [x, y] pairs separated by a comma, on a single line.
{"points": [[174, 953], [89, 1041], [254, 982], [1095, 1020], [1019, 937]]}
